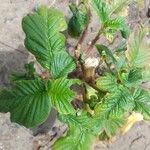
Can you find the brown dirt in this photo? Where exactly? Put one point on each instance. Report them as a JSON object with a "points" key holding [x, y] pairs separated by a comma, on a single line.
{"points": [[13, 56]]}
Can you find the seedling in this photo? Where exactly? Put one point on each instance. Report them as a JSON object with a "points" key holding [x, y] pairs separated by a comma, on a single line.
{"points": [[112, 98]]}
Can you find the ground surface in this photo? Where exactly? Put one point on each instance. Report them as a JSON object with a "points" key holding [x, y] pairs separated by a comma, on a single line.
{"points": [[13, 56]]}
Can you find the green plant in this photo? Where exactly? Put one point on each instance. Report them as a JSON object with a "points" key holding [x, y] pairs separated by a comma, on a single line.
{"points": [[109, 101]]}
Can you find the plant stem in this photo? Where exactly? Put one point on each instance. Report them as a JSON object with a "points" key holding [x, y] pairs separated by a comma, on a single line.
{"points": [[93, 42], [82, 37], [84, 33], [93, 86]]}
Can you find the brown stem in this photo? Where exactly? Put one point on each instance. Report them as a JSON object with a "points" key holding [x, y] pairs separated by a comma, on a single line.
{"points": [[93, 86], [84, 92], [82, 37], [93, 42], [84, 33]]}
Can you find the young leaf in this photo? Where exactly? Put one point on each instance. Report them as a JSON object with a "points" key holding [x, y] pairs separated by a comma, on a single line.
{"points": [[117, 6], [138, 52], [107, 83], [61, 95], [102, 49], [118, 24], [101, 9], [29, 103], [79, 20], [44, 40], [133, 78], [141, 100]]}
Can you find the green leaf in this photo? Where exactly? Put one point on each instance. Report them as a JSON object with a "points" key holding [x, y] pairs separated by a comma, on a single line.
{"points": [[109, 34], [133, 78], [104, 50], [83, 121], [44, 40], [28, 103], [120, 61], [79, 20], [125, 31], [138, 52], [116, 103], [43, 37], [107, 83], [118, 24], [101, 9], [117, 5], [109, 115], [141, 100], [115, 24], [61, 95], [61, 65], [146, 74], [74, 140], [79, 136], [122, 47], [110, 126]]}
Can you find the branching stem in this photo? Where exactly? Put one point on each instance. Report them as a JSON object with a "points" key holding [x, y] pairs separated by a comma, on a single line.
{"points": [[93, 42]]}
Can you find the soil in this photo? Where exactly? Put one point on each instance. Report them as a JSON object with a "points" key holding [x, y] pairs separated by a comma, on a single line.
{"points": [[13, 56]]}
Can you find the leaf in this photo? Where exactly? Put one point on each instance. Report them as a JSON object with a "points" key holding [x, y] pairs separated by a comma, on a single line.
{"points": [[61, 95], [107, 83], [118, 24], [80, 121], [141, 100], [101, 9], [79, 20], [116, 103], [43, 37], [115, 24], [120, 61], [103, 50], [109, 34], [138, 52], [29, 103], [61, 65], [74, 140], [125, 31], [117, 5], [146, 73], [79, 136], [122, 47], [44, 40], [111, 126], [109, 115], [133, 78]]}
